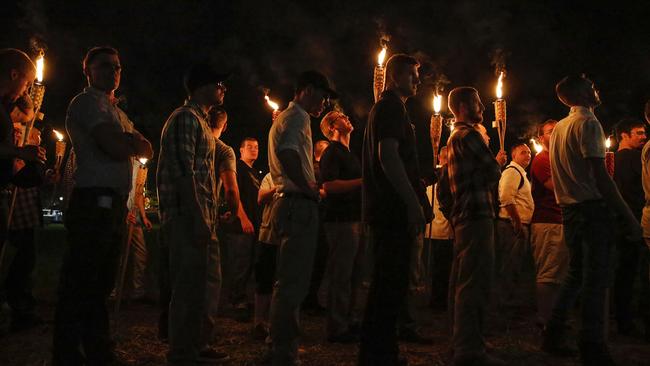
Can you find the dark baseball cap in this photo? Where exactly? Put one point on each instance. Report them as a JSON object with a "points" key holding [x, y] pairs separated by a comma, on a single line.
{"points": [[316, 79], [201, 74]]}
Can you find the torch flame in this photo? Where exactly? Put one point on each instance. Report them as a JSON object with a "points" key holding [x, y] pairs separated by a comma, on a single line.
{"points": [[500, 86], [40, 65], [271, 103], [381, 57], [608, 142], [537, 146], [437, 103], [143, 161], [59, 135]]}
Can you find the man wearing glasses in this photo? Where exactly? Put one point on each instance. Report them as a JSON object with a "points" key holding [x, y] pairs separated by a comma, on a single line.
{"points": [[295, 214], [105, 143], [187, 192]]}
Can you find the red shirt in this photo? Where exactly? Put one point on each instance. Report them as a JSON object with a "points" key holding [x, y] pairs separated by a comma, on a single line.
{"points": [[546, 208]]}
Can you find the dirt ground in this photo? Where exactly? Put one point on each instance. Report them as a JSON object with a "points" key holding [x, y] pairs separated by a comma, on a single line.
{"points": [[512, 336]]}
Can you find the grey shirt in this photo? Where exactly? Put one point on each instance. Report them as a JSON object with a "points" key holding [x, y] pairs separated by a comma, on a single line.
{"points": [[224, 160], [291, 130], [95, 168]]}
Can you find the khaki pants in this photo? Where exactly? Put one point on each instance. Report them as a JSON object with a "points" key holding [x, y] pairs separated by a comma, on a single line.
{"points": [[469, 284], [195, 279], [296, 225], [550, 253]]}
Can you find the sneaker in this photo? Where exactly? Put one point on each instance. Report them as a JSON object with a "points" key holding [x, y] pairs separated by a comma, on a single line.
{"points": [[210, 355], [595, 354], [413, 336], [260, 332], [346, 337]]}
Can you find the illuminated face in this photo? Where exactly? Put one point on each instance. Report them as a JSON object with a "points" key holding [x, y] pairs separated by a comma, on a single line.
{"points": [[316, 101], [547, 131], [19, 83], [637, 137], [522, 155], [249, 151], [475, 109], [105, 72], [408, 81], [343, 124]]}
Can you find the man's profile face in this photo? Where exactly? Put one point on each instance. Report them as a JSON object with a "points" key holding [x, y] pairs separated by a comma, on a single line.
{"points": [[316, 101], [105, 72], [20, 82], [407, 81], [474, 109], [522, 155], [547, 131], [636, 138], [343, 124], [249, 151]]}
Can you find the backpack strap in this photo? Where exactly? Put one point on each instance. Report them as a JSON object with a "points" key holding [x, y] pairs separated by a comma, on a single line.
{"points": [[521, 177]]}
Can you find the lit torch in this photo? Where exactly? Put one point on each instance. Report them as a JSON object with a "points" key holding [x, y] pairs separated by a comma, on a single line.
{"points": [[500, 112], [60, 150], [141, 178], [36, 93], [436, 126], [609, 156], [536, 146], [273, 106], [379, 80]]}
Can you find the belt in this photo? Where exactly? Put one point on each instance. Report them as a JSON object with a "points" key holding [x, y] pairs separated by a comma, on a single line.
{"points": [[300, 195]]}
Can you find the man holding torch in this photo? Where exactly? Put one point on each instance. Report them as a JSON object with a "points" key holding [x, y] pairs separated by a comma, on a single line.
{"points": [[590, 201], [105, 143], [394, 204], [473, 177]]}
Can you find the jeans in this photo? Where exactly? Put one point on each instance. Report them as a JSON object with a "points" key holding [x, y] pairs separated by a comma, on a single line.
{"points": [[238, 263], [388, 289], [344, 266], [96, 223], [588, 235], [469, 285], [296, 222], [138, 261]]}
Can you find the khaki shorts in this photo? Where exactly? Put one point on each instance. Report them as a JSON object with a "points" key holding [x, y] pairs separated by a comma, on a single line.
{"points": [[550, 252]]}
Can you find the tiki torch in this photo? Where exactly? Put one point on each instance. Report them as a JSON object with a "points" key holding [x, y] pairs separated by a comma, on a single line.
{"points": [[274, 106], [537, 147], [59, 150], [140, 182], [436, 127], [609, 156], [500, 112], [379, 80]]}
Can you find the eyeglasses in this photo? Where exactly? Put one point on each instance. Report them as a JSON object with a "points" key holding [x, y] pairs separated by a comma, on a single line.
{"points": [[221, 85]]}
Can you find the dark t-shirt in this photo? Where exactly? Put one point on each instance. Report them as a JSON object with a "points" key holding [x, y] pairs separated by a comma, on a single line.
{"points": [[627, 175], [380, 201], [546, 208], [248, 180], [338, 163]]}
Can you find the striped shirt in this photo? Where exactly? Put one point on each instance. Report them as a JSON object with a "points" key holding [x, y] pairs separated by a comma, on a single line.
{"points": [[473, 175], [187, 149]]}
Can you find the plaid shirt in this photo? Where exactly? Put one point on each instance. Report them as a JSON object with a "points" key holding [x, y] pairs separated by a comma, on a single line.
{"points": [[27, 210], [187, 149], [473, 174]]}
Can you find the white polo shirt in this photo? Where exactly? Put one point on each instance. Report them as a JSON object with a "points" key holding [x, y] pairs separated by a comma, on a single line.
{"points": [[512, 178]]}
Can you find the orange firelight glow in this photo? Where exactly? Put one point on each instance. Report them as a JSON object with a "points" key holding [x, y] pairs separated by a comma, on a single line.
{"points": [[381, 57], [59, 135], [40, 65], [271, 103], [437, 103], [500, 86]]}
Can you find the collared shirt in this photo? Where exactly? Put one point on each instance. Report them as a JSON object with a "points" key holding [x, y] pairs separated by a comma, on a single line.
{"points": [[382, 205], [575, 139], [511, 194], [187, 150], [473, 174], [94, 167], [291, 130]]}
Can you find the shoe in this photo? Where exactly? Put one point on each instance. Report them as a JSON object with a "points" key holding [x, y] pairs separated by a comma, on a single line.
{"points": [[346, 337], [412, 336], [210, 355], [595, 354], [260, 332], [554, 342], [479, 360]]}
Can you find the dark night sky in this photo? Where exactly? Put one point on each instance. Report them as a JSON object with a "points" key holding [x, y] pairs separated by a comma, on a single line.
{"points": [[266, 43]]}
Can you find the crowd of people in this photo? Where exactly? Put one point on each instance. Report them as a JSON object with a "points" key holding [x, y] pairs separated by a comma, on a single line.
{"points": [[323, 212]]}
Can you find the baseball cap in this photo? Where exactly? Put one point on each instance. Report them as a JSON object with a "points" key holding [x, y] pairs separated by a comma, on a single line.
{"points": [[318, 80], [201, 74]]}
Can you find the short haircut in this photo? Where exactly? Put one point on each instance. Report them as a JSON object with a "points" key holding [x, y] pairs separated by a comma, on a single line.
{"points": [[13, 59], [570, 89], [217, 117], [516, 146], [460, 95], [327, 122], [540, 127], [92, 54], [646, 111], [399, 63], [243, 142], [626, 125]]}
